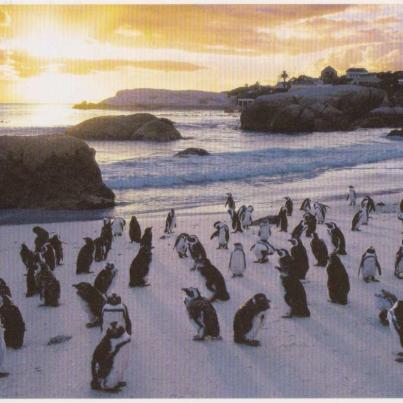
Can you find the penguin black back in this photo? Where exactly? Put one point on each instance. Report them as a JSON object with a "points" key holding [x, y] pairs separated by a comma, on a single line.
{"points": [[134, 230]]}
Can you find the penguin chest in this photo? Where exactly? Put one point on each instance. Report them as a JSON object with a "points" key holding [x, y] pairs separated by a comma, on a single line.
{"points": [[221, 237], [181, 246], [119, 365], [369, 267], [264, 233], [260, 251], [2, 349], [399, 266], [257, 324], [247, 219], [237, 263]]}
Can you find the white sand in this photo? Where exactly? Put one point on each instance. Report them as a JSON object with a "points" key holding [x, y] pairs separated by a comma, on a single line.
{"points": [[341, 351]]}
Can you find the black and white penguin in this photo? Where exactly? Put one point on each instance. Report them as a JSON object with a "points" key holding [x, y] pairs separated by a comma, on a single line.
{"points": [[57, 245], [147, 238], [85, 257], [49, 286], [196, 249], [3, 374], [295, 296], [310, 223], [140, 268], [31, 281], [395, 319], [383, 302], [369, 204], [359, 218], [202, 315], [42, 236], [337, 238], [114, 311], [92, 301], [282, 221], [134, 230], [222, 233], [13, 323], [118, 225], [352, 195], [48, 255], [319, 250], [181, 245], [100, 250], [110, 360], [306, 205], [230, 203], [214, 280], [262, 250], [4, 288], [170, 222], [235, 220], [300, 258], [289, 205], [106, 234], [249, 319], [237, 261], [105, 278], [298, 230], [338, 283], [369, 265], [264, 230], [320, 210], [27, 256], [246, 217], [399, 263]]}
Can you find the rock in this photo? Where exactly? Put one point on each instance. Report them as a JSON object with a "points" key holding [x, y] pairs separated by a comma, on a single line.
{"points": [[138, 126], [192, 151], [59, 339], [396, 133], [385, 116], [52, 172], [318, 108]]}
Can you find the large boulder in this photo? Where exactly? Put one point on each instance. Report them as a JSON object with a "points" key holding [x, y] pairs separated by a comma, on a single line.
{"points": [[52, 172], [396, 133], [200, 152], [139, 126], [317, 108], [384, 116]]}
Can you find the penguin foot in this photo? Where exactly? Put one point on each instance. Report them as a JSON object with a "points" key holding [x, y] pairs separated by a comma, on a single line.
{"points": [[399, 360], [374, 280], [122, 384], [252, 343], [198, 338], [287, 316], [4, 374]]}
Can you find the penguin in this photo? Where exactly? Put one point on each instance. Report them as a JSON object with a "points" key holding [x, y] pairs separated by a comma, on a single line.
{"points": [[383, 302], [4, 288], [134, 230], [106, 234], [32, 285], [42, 236], [181, 245], [295, 296], [118, 224], [285, 260], [105, 278], [249, 319], [147, 238], [92, 301], [300, 258], [57, 246], [319, 250], [369, 266], [352, 195], [337, 238], [306, 205], [49, 286], [359, 218], [48, 255], [85, 257], [214, 280], [399, 263], [202, 315], [395, 319], [114, 311], [282, 219], [110, 360], [298, 230], [338, 283], [230, 202], [320, 210], [196, 250], [235, 221], [246, 217], [237, 261], [170, 223], [100, 250], [140, 268], [27, 256], [310, 224], [289, 206], [3, 374], [13, 323], [368, 203], [222, 233], [264, 230], [262, 249]]}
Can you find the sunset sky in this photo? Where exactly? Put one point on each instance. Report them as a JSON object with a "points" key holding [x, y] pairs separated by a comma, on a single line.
{"points": [[69, 53]]}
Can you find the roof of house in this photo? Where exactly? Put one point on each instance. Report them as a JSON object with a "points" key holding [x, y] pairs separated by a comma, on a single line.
{"points": [[357, 70], [329, 68]]}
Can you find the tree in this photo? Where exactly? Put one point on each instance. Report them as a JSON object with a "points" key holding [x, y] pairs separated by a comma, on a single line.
{"points": [[284, 76]]}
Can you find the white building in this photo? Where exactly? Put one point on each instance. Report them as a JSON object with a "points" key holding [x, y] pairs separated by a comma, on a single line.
{"points": [[355, 72]]}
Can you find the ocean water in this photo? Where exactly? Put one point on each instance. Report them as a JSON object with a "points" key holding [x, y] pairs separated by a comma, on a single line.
{"points": [[258, 168]]}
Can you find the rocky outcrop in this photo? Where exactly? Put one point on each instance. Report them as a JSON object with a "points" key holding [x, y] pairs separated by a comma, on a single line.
{"points": [[192, 151], [385, 116], [325, 108], [139, 126], [396, 133], [52, 172]]}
